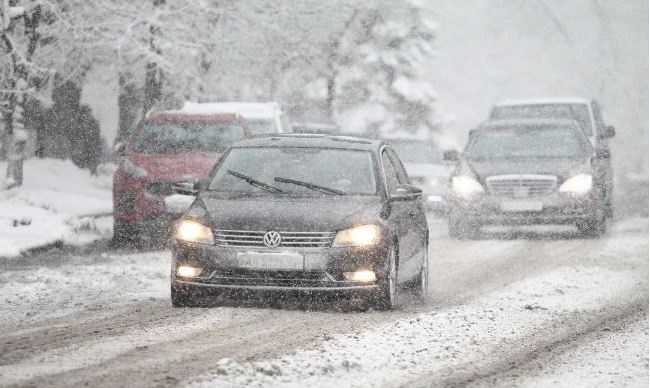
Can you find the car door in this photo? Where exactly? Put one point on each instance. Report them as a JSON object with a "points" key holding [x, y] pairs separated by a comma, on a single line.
{"points": [[398, 218], [415, 224]]}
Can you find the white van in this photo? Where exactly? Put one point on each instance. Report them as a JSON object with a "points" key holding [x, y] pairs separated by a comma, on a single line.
{"points": [[262, 117]]}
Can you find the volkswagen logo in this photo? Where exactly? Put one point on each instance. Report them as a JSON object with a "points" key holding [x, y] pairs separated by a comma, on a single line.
{"points": [[272, 239]]}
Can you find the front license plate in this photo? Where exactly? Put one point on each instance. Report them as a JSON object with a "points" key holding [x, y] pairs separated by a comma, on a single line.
{"points": [[280, 261], [521, 206]]}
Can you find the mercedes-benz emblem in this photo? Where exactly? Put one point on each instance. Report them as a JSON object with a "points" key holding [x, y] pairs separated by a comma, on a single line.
{"points": [[272, 239]]}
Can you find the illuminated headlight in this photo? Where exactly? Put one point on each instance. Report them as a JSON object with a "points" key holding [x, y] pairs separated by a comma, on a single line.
{"points": [[359, 236], [192, 231], [185, 271], [465, 186], [364, 276], [579, 184], [133, 169]]}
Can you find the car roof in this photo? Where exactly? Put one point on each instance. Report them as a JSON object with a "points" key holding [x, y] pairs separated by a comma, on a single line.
{"points": [[543, 101], [175, 115], [310, 140], [529, 123]]}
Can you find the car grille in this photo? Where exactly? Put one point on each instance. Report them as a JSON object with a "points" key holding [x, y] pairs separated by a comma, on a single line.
{"points": [[247, 238], [521, 186]]}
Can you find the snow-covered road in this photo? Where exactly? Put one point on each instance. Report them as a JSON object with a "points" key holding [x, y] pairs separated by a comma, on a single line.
{"points": [[524, 310]]}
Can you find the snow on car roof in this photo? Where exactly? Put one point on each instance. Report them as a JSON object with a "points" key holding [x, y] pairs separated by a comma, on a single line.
{"points": [[250, 110], [544, 101], [309, 140]]}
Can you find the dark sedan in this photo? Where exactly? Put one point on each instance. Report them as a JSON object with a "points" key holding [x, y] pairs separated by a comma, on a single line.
{"points": [[522, 172], [304, 213]]}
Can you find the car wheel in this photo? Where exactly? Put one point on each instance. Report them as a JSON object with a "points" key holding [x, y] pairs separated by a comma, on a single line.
{"points": [[124, 234], [596, 227], [386, 296], [183, 296], [421, 284]]}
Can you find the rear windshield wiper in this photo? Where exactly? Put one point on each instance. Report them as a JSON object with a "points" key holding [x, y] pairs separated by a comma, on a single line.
{"points": [[254, 182], [313, 186]]}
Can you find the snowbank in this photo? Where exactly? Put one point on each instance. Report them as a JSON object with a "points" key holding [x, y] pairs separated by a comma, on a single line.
{"points": [[58, 202]]}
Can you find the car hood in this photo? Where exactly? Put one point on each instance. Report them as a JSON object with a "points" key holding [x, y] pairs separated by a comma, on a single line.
{"points": [[305, 214], [427, 170], [176, 166], [557, 167]]}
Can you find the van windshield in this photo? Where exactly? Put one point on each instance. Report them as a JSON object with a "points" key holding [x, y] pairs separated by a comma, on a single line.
{"points": [[527, 142], [577, 112], [170, 137]]}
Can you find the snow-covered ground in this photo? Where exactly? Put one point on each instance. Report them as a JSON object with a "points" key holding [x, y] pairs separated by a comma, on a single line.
{"points": [[58, 202], [435, 342], [545, 309]]}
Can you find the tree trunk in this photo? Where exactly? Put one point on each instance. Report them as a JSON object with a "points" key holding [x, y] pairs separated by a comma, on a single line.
{"points": [[128, 106], [15, 136], [153, 75]]}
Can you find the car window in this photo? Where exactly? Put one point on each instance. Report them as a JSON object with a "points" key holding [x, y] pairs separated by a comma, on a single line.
{"points": [[598, 117], [578, 112], [392, 180], [527, 142], [416, 151], [402, 176], [186, 137], [347, 171]]}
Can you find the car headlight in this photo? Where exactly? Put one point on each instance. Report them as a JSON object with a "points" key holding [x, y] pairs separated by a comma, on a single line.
{"points": [[133, 169], [579, 184], [465, 186], [364, 235], [192, 231]]}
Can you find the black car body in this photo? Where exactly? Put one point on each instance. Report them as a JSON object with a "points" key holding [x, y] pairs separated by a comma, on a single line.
{"points": [[587, 113], [522, 172], [273, 222]]}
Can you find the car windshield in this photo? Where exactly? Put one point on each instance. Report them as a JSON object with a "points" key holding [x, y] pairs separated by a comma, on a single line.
{"points": [[416, 152], [578, 112], [258, 127], [186, 137], [292, 170], [527, 142]]}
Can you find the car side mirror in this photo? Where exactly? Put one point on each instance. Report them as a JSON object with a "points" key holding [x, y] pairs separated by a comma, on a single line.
{"points": [[608, 132], [405, 192], [186, 188], [119, 149], [603, 153], [450, 156]]}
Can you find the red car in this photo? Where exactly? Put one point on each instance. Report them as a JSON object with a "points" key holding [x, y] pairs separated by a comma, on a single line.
{"points": [[166, 148]]}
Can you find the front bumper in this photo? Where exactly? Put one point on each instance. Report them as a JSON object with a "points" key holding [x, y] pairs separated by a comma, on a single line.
{"points": [[322, 268], [552, 209]]}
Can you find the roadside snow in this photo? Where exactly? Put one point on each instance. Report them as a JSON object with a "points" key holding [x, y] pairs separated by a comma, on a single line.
{"points": [[607, 357], [58, 202], [433, 343]]}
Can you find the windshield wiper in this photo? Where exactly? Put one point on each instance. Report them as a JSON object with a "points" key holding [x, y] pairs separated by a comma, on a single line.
{"points": [[313, 186], [254, 182]]}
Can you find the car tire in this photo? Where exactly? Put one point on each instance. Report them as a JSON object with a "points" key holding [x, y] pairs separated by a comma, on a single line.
{"points": [[124, 234], [184, 296], [385, 297], [596, 227], [421, 282]]}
